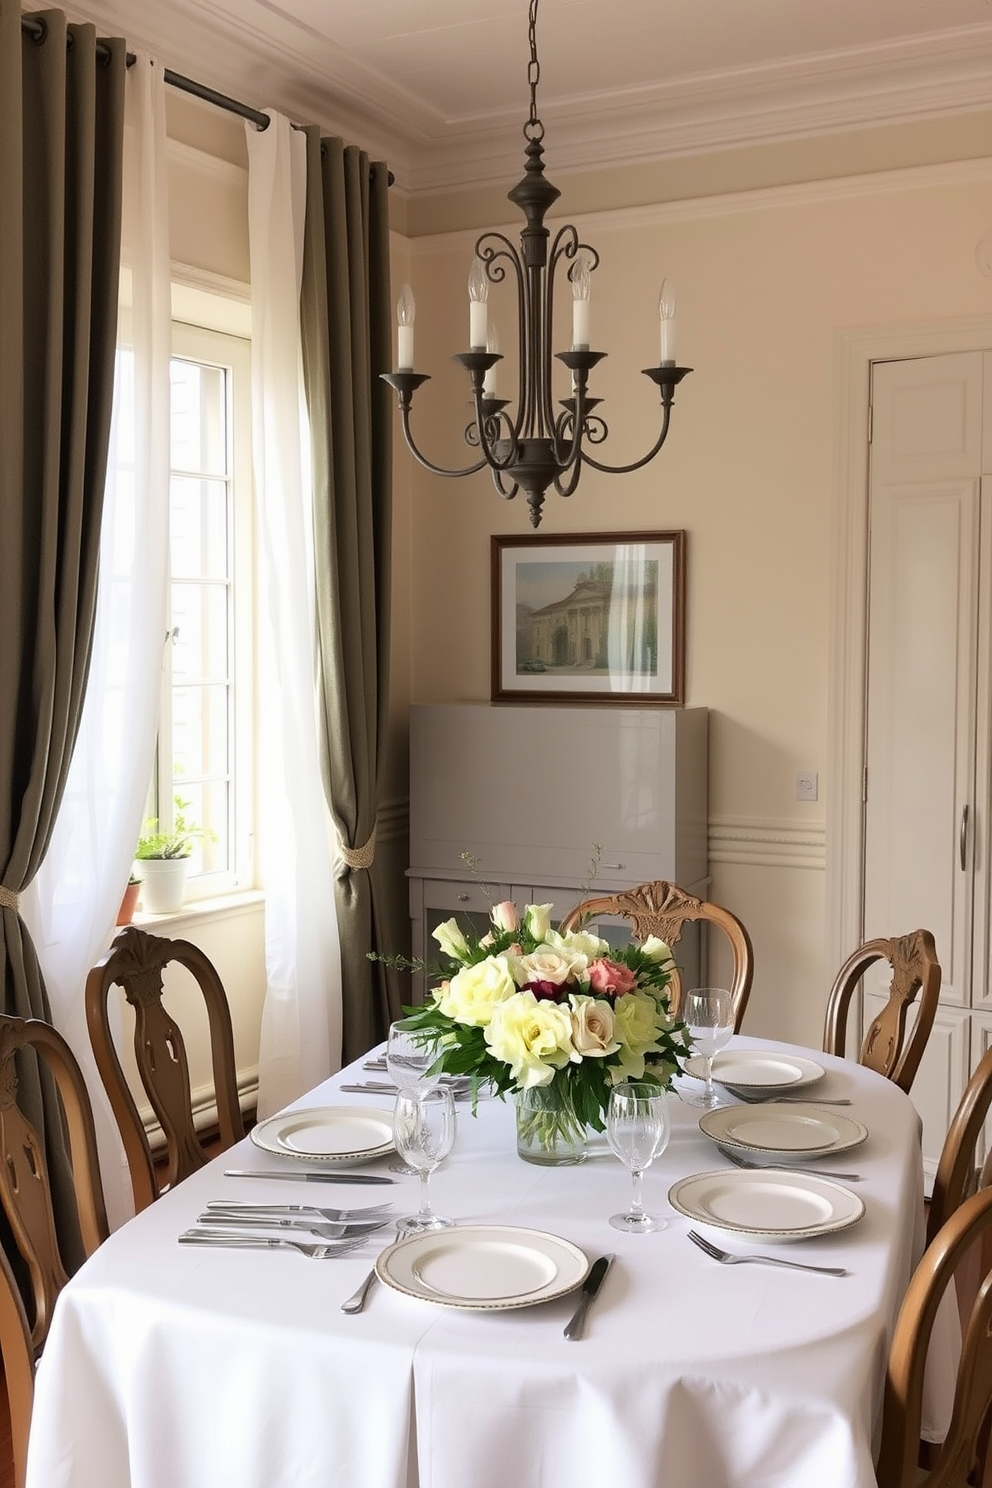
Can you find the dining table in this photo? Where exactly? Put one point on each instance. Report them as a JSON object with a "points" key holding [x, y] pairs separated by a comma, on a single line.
{"points": [[174, 1366]]}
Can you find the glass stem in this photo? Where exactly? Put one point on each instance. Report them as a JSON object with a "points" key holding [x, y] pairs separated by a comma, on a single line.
{"points": [[636, 1203], [708, 1059], [425, 1194]]}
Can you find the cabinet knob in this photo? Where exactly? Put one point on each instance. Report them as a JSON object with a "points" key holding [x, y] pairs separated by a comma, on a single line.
{"points": [[615, 865], [463, 898]]}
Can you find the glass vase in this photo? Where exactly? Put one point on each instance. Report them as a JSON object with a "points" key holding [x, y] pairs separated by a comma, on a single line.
{"points": [[548, 1130]]}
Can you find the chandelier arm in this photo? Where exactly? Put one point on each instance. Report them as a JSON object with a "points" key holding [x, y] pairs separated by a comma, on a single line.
{"points": [[487, 428], [573, 480], [429, 464], [491, 248], [507, 495], [637, 464]]}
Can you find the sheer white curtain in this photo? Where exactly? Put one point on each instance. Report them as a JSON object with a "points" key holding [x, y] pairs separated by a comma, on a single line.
{"points": [[301, 1019], [72, 904]]}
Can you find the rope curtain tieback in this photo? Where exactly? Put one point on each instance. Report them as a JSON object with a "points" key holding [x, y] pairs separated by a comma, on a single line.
{"points": [[10, 900], [359, 857]]}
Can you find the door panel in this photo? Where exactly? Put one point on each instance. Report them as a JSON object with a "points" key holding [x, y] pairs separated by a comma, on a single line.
{"points": [[922, 644]]}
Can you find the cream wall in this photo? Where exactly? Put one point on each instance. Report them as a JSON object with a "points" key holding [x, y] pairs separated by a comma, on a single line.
{"points": [[766, 281]]}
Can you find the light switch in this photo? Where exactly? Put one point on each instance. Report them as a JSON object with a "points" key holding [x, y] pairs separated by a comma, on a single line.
{"points": [[807, 785]]}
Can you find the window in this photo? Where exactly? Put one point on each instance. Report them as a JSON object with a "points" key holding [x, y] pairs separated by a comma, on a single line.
{"points": [[205, 766]]}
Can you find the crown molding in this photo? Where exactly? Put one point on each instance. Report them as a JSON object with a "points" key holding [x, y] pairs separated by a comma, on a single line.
{"points": [[285, 65]]}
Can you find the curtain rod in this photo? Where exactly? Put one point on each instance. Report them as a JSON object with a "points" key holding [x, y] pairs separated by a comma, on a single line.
{"points": [[38, 30]]}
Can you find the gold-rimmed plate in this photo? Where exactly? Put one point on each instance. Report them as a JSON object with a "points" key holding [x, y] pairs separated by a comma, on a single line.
{"points": [[484, 1268], [783, 1131], [754, 1070], [767, 1205], [327, 1134]]}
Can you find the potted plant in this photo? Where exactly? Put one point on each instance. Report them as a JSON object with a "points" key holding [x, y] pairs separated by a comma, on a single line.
{"points": [[129, 902], [164, 857]]}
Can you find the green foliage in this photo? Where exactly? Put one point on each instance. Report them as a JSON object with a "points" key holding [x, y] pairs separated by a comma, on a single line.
{"points": [[175, 843]]}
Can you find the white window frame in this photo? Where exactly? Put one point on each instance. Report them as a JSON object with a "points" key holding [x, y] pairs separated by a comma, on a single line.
{"points": [[233, 353]]}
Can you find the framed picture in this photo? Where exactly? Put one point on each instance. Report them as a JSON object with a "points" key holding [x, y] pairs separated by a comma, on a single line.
{"points": [[589, 618]]}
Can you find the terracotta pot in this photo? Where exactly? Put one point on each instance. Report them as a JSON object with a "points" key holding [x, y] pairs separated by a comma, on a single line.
{"points": [[128, 904]]}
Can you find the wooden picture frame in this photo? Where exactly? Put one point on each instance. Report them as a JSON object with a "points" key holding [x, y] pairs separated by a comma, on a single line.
{"points": [[589, 618]]}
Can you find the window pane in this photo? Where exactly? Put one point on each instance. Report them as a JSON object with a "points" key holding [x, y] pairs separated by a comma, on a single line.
{"points": [[198, 528], [200, 732], [201, 649], [199, 418]]}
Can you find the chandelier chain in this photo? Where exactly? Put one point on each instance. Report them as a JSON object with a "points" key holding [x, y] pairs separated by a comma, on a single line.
{"points": [[533, 129]]}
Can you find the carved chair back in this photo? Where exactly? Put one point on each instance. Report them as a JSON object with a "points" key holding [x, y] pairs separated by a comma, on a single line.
{"points": [[963, 1449], [136, 962], [957, 1171], [26, 1196], [886, 1047], [663, 909]]}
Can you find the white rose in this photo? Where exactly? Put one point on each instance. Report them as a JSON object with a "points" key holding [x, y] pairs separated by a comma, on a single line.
{"points": [[593, 1027], [548, 965], [656, 949], [581, 941], [537, 918], [451, 940], [532, 1036], [473, 993]]}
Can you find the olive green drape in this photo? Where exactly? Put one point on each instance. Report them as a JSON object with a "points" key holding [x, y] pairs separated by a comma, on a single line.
{"points": [[61, 143], [346, 336]]}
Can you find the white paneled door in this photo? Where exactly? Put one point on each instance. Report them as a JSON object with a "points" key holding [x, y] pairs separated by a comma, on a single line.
{"points": [[927, 780]]}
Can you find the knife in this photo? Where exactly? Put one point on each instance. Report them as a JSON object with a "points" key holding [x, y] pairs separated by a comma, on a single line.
{"points": [[590, 1287], [348, 1177]]}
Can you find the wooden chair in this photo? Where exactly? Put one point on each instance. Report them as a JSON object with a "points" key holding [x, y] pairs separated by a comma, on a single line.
{"points": [[913, 959], [960, 1458], [26, 1196], [957, 1172], [663, 909], [136, 961]]}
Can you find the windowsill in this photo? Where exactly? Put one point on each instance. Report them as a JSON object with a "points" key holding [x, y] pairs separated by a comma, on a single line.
{"points": [[199, 911]]}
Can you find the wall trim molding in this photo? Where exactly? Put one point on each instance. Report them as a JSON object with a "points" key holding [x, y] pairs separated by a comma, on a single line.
{"points": [[730, 204], [767, 842]]}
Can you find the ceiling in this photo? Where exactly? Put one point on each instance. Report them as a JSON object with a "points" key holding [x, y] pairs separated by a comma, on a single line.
{"points": [[439, 87]]}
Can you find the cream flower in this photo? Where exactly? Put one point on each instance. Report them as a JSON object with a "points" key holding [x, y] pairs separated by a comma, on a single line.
{"points": [[533, 1037], [637, 1027], [548, 965], [582, 941], [451, 940], [475, 991], [537, 918], [657, 949], [593, 1027]]}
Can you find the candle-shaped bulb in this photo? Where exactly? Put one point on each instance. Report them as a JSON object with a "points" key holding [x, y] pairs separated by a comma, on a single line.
{"points": [[581, 284], [406, 314], [492, 345], [478, 294], [666, 319]]}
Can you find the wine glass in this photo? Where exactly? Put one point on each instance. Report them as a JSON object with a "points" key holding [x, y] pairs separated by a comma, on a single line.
{"points": [[409, 1055], [637, 1129], [708, 1013], [423, 1131]]}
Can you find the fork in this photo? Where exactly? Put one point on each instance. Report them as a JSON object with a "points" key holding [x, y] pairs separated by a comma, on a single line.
{"points": [[230, 1239], [757, 1167], [299, 1211], [726, 1259], [325, 1231], [788, 1100]]}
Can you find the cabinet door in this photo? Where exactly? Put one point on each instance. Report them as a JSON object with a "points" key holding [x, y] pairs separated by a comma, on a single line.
{"points": [[926, 463]]}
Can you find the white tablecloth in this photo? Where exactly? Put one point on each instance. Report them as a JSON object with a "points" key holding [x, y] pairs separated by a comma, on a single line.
{"points": [[175, 1367]]}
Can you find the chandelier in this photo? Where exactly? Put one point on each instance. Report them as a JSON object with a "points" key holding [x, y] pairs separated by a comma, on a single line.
{"points": [[537, 446]]}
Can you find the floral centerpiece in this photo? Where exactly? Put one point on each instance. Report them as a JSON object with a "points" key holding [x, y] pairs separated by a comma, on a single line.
{"points": [[529, 1009]]}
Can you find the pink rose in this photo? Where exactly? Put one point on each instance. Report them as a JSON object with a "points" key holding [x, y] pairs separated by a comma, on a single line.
{"points": [[611, 979], [504, 916]]}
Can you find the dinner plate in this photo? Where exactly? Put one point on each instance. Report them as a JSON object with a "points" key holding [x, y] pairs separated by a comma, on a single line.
{"points": [[487, 1268], [809, 1131], [331, 1134], [763, 1205], [752, 1069]]}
